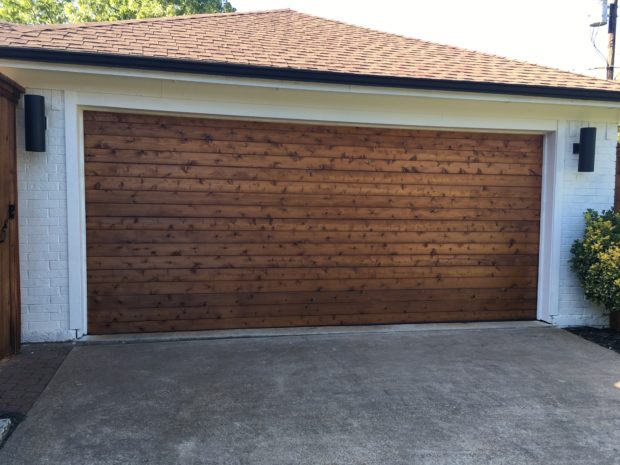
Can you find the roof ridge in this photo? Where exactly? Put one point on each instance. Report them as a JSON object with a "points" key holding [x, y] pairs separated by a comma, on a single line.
{"points": [[92, 24], [450, 46]]}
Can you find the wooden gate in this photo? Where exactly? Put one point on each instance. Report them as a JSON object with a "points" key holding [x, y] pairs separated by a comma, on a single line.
{"points": [[9, 253]]}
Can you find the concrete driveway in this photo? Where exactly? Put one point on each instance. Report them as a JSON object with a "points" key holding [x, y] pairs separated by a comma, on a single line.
{"points": [[497, 396]]}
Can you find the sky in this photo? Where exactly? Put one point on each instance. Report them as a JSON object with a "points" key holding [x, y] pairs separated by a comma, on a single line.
{"points": [[554, 33]]}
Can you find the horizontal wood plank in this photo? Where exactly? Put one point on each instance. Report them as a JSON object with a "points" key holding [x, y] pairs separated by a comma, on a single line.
{"points": [[305, 274], [315, 136], [342, 308], [416, 163], [213, 140], [298, 225], [267, 249], [122, 183], [135, 301], [298, 212], [234, 174], [308, 285], [308, 200], [304, 261], [314, 237], [265, 154], [163, 121]]}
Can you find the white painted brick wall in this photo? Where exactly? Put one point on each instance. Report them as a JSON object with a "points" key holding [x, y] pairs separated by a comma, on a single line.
{"points": [[42, 213], [580, 192], [43, 226]]}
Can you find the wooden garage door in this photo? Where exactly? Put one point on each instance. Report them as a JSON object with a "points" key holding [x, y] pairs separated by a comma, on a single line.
{"points": [[202, 223]]}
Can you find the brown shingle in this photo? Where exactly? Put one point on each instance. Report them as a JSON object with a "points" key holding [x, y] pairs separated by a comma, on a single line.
{"points": [[292, 40]]}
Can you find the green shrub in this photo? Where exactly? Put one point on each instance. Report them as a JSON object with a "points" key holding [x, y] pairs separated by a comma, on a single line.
{"points": [[596, 259]]}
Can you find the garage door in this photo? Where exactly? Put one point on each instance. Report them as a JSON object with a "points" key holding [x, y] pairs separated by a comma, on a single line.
{"points": [[206, 224]]}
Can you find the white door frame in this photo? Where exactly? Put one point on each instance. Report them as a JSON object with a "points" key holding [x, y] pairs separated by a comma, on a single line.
{"points": [[555, 134]]}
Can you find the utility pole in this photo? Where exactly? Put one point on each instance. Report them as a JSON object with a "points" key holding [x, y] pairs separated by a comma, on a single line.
{"points": [[611, 34]]}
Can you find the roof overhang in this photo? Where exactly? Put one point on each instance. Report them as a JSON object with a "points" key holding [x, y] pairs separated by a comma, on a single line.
{"points": [[300, 75]]}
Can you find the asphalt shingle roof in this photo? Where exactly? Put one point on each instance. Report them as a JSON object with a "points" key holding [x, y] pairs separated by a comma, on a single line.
{"points": [[286, 39]]}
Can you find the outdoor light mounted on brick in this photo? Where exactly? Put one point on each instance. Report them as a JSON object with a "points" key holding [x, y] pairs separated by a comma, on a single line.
{"points": [[36, 122], [586, 149]]}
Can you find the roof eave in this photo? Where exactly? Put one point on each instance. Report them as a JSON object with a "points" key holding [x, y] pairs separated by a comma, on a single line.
{"points": [[302, 75]]}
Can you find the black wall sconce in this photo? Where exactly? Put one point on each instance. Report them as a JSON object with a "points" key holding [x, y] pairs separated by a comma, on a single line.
{"points": [[586, 148], [36, 123]]}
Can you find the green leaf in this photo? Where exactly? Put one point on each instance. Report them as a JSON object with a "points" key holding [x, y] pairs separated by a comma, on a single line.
{"points": [[596, 258], [78, 11]]}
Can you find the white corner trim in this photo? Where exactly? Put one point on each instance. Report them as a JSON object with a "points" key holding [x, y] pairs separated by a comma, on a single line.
{"points": [[550, 224], [76, 217]]}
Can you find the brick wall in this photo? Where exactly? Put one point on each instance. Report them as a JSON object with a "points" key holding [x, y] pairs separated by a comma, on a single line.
{"points": [[580, 192], [43, 228]]}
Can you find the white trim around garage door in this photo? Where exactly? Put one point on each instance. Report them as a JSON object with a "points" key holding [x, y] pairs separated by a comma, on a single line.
{"points": [[76, 102], [550, 223]]}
